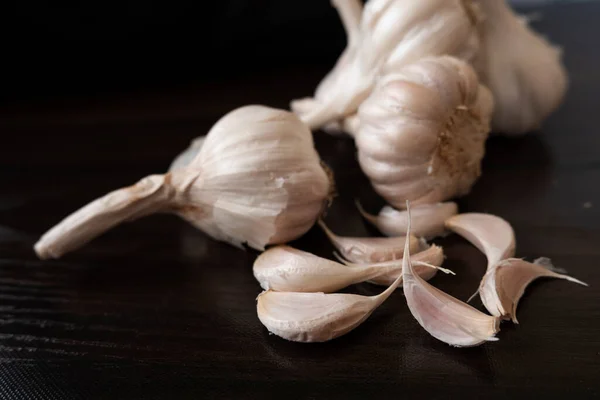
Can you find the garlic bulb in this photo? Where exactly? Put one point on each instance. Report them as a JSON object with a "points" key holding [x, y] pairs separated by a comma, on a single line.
{"points": [[389, 35], [443, 316], [503, 285], [523, 70], [427, 219], [257, 180], [369, 250], [186, 156], [425, 263], [422, 132], [316, 317]]}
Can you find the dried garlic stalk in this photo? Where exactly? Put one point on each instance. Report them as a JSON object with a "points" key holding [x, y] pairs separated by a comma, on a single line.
{"points": [[521, 68], [443, 316], [316, 317], [422, 132], [427, 219], [504, 284], [257, 180], [388, 35], [426, 263], [367, 250]]}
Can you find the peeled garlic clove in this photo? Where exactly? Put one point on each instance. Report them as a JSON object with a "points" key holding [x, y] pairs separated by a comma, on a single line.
{"points": [[426, 263], [186, 157], [443, 316], [370, 249], [492, 235], [503, 286], [316, 317], [521, 68], [257, 179], [390, 35], [285, 269], [422, 132], [427, 219]]}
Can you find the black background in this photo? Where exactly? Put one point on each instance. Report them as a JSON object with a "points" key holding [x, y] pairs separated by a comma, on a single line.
{"points": [[96, 96]]}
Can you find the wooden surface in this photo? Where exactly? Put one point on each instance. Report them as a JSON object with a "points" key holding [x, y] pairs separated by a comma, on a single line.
{"points": [[154, 309]]}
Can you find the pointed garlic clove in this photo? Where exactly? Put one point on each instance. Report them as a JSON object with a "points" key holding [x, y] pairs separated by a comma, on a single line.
{"points": [[503, 286], [370, 249], [285, 269], [423, 261], [443, 316], [492, 235], [427, 219], [316, 317]]}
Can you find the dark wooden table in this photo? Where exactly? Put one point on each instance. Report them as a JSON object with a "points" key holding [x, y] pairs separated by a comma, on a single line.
{"points": [[154, 309]]}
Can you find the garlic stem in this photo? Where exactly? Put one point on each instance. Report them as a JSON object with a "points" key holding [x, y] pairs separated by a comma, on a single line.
{"points": [[149, 195]]}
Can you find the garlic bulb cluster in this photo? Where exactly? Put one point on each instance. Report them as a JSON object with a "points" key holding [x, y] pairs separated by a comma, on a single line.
{"points": [[388, 35], [257, 179], [422, 132], [521, 68]]}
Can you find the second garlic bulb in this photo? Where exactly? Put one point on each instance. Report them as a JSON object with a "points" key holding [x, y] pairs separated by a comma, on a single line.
{"points": [[422, 132]]}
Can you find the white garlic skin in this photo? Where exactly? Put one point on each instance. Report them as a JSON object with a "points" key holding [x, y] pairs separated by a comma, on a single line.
{"points": [[522, 69], [391, 35], [422, 132]]}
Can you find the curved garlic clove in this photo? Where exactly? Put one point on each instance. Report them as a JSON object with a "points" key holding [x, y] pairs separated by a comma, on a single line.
{"points": [[423, 263], [316, 317], [369, 250], [492, 235], [186, 156], [391, 34], [503, 286], [427, 219], [285, 269], [257, 179], [521, 68], [422, 132], [443, 316]]}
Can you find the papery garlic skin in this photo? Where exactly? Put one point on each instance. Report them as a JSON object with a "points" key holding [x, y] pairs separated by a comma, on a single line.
{"points": [[391, 34], [285, 269], [422, 132], [503, 286], [443, 316], [521, 68], [427, 219], [256, 180]]}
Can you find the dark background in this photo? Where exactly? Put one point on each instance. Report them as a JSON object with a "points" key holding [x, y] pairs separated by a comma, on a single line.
{"points": [[94, 96]]}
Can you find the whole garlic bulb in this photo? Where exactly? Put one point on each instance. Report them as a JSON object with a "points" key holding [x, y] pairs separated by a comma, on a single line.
{"points": [[521, 68], [257, 180], [422, 132], [389, 35]]}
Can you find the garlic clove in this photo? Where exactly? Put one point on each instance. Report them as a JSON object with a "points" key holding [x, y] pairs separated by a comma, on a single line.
{"points": [[422, 132], [427, 219], [285, 269], [257, 179], [443, 316], [521, 68], [186, 156], [367, 250], [316, 317], [503, 286], [423, 263], [492, 235]]}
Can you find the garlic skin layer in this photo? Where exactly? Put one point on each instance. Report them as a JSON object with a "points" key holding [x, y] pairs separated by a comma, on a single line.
{"points": [[389, 35], [422, 132], [257, 179], [521, 68], [503, 286], [427, 219], [443, 316]]}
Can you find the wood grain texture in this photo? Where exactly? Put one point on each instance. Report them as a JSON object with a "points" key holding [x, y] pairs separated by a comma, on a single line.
{"points": [[155, 310]]}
